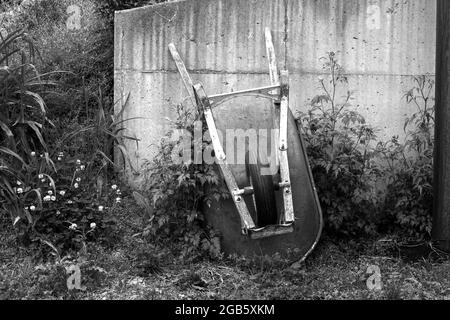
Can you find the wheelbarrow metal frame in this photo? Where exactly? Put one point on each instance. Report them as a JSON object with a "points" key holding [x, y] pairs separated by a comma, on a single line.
{"points": [[278, 91]]}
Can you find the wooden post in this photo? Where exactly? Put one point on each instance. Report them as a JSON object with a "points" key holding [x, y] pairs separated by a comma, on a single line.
{"points": [[441, 210]]}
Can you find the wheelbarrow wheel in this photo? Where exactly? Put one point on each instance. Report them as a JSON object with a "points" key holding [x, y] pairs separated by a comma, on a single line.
{"points": [[263, 192]]}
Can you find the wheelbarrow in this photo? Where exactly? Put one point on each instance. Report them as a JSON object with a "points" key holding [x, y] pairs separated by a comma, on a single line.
{"points": [[273, 206]]}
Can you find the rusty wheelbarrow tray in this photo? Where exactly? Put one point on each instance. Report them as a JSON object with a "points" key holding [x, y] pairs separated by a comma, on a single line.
{"points": [[267, 214]]}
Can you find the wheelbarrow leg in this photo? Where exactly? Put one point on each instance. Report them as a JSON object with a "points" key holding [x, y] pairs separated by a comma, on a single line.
{"points": [[281, 113], [284, 163], [203, 102]]}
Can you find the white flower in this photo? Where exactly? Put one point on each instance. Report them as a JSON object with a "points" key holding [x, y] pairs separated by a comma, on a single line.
{"points": [[50, 192], [61, 154], [33, 153], [62, 192], [47, 198], [93, 225], [114, 186], [78, 162], [58, 212], [118, 199], [83, 167], [70, 202], [53, 198], [100, 208], [40, 176], [73, 226], [19, 190], [19, 183], [59, 158], [32, 208], [26, 208], [78, 179], [75, 185]]}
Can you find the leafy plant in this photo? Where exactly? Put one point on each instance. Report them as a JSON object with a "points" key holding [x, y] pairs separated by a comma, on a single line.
{"points": [[72, 211], [23, 115], [177, 192], [98, 138], [38, 179], [341, 157], [409, 165]]}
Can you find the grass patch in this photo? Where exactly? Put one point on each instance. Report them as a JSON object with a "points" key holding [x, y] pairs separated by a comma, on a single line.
{"points": [[134, 269]]}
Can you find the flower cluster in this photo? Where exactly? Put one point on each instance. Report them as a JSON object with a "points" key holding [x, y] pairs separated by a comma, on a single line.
{"points": [[117, 192], [61, 197]]}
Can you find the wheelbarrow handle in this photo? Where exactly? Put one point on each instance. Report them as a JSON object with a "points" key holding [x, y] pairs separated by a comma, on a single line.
{"points": [[185, 77]]}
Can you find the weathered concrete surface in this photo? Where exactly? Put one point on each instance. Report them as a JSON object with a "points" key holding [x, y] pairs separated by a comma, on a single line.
{"points": [[380, 43]]}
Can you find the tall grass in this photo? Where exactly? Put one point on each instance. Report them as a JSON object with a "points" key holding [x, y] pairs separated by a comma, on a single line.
{"points": [[23, 115]]}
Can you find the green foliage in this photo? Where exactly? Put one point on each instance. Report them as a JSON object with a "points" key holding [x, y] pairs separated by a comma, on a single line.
{"points": [[409, 166], [32, 167], [339, 148], [98, 138], [87, 53], [177, 192], [23, 115], [365, 189], [70, 210], [72, 187], [82, 106]]}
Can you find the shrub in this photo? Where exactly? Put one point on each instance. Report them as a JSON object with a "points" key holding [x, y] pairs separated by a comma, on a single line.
{"points": [[82, 52], [86, 53], [177, 192], [72, 211], [365, 189], [409, 166], [341, 157]]}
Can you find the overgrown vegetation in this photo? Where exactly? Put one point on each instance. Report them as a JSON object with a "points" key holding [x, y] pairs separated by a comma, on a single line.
{"points": [[368, 187], [409, 166], [178, 190], [22, 120], [339, 148], [59, 130], [63, 202]]}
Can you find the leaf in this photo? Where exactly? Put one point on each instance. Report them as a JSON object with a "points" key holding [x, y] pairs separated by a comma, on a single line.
{"points": [[17, 219], [37, 127], [5, 129], [13, 154], [36, 98], [48, 243], [144, 203]]}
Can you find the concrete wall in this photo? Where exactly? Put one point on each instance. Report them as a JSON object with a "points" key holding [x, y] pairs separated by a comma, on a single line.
{"points": [[380, 43]]}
